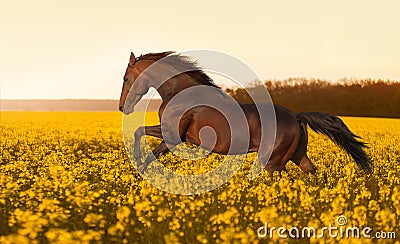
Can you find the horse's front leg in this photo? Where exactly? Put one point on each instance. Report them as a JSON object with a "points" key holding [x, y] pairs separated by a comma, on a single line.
{"points": [[159, 150], [165, 146], [154, 130]]}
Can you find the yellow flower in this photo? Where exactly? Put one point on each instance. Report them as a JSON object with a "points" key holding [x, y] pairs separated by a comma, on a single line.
{"points": [[67, 178]]}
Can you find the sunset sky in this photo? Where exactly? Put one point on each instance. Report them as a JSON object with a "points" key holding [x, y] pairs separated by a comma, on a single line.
{"points": [[80, 49]]}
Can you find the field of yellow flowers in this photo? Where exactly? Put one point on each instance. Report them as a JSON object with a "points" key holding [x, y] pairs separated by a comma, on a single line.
{"points": [[65, 178]]}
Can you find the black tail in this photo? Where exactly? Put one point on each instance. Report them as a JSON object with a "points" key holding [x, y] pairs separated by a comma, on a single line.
{"points": [[337, 131]]}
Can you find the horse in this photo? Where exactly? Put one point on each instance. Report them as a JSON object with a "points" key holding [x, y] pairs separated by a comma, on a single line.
{"points": [[291, 136]]}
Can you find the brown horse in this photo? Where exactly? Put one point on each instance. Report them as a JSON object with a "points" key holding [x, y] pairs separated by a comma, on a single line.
{"points": [[291, 134]]}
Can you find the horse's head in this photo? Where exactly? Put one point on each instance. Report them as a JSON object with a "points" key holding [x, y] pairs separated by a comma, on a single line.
{"points": [[134, 87], [169, 73]]}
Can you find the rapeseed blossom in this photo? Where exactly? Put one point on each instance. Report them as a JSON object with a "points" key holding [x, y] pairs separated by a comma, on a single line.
{"points": [[66, 178]]}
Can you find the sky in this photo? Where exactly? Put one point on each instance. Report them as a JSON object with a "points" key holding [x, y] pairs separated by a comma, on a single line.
{"points": [[80, 49]]}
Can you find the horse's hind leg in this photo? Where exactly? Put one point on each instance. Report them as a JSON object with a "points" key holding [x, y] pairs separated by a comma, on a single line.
{"points": [[299, 157], [273, 166], [274, 163], [306, 166]]}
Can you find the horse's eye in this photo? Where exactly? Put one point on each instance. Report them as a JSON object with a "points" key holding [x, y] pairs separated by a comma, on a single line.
{"points": [[125, 79]]}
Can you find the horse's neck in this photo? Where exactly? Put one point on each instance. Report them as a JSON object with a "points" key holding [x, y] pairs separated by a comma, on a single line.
{"points": [[168, 84]]}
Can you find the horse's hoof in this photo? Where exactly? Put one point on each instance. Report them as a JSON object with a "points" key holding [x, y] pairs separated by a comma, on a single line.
{"points": [[141, 168]]}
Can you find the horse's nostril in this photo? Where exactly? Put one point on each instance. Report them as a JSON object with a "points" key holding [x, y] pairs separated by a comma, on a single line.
{"points": [[121, 108]]}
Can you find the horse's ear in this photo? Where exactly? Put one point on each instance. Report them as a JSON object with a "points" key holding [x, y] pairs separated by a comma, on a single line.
{"points": [[132, 59]]}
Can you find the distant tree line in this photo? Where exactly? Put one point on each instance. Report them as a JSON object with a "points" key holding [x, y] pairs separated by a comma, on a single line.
{"points": [[348, 97]]}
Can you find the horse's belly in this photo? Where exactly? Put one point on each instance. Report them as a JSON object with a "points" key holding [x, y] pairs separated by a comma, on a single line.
{"points": [[219, 139]]}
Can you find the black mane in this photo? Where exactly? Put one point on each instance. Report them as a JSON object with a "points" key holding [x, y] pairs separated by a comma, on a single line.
{"points": [[182, 64]]}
